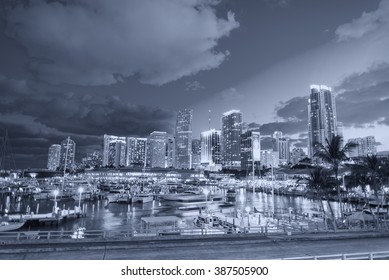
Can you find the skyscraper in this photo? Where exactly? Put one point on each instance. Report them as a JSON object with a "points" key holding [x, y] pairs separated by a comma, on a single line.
{"points": [[250, 150], [283, 150], [230, 135], [210, 147], [114, 153], [157, 141], [365, 146], [54, 157], [184, 138], [322, 121], [196, 153], [170, 151], [275, 141], [68, 152]]}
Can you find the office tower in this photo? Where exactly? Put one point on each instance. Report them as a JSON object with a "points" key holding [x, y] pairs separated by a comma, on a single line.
{"points": [[184, 139], [250, 151], [365, 146], [114, 153], [276, 136], [196, 153], [68, 152], [170, 151], [230, 135], [140, 158], [210, 147], [131, 150], [157, 140], [322, 121], [54, 157], [283, 150]]}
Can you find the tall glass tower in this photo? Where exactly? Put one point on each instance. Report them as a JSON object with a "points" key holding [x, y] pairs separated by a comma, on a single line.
{"points": [[184, 139], [231, 132], [322, 121]]}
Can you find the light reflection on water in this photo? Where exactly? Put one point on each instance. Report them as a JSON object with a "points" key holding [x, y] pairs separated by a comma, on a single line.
{"points": [[103, 216]]}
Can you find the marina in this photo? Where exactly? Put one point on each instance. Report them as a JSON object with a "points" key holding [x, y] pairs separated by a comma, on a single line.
{"points": [[164, 211]]}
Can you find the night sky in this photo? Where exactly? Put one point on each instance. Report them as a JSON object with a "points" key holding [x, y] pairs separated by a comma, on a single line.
{"points": [[83, 68]]}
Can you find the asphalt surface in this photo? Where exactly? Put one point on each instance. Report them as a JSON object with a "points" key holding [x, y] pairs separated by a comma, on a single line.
{"points": [[247, 247]]}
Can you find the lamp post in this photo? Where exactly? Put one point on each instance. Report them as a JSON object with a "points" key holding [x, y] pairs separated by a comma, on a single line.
{"points": [[248, 215], [80, 190], [206, 192], [55, 200]]}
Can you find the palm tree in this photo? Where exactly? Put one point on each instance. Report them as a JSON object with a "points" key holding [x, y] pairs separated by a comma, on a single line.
{"points": [[375, 172], [321, 185], [334, 153]]}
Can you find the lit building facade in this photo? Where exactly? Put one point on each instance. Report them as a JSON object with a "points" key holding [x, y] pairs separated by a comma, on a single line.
{"points": [[322, 120], [114, 153], [230, 139], [250, 150], [183, 139], [54, 157], [136, 151], [170, 151], [157, 140], [196, 153], [68, 153], [365, 146], [210, 147]]}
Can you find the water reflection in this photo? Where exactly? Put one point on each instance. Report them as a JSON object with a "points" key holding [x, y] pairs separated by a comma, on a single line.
{"points": [[103, 216]]}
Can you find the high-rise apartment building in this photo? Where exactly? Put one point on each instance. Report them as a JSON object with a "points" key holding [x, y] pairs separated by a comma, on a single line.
{"points": [[157, 140], [275, 141], [365, 146], [250, 150], [184, 138], [322, 120], [136, 151], [283, 150], [210, 147], [114, 153], [54, 157], [68, 152], [230, 135]]}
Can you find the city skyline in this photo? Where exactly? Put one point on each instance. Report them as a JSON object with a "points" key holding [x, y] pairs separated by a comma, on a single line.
{"points": [[259, 57]]}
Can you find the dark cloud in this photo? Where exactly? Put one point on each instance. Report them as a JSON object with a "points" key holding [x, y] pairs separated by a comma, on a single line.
{"points": [[36, 119], [294, 109], [364, 98], [361, 100], [101, 42], [288, 128]]}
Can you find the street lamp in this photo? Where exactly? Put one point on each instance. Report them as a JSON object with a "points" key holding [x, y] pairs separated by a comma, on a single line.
{"points": [[80, 190], [248, 215], [206, 192], [56, 192]]}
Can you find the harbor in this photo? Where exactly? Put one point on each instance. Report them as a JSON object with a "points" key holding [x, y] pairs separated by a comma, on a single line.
{"points": [[139, 210]]}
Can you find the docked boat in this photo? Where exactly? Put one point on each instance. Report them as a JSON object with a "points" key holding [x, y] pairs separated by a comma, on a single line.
{"points": [[183, 199], [231, 195], [9, 226], [142, 198], [121, 197]]}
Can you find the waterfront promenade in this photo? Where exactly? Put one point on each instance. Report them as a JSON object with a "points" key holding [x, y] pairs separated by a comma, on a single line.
{"points": [[248, 246]]}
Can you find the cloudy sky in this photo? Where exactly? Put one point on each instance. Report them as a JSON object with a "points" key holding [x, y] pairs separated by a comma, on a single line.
{"points": [[83, 68]]}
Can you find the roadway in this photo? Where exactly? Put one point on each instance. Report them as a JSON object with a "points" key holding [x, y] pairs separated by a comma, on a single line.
{"points": [[248, 247]]}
